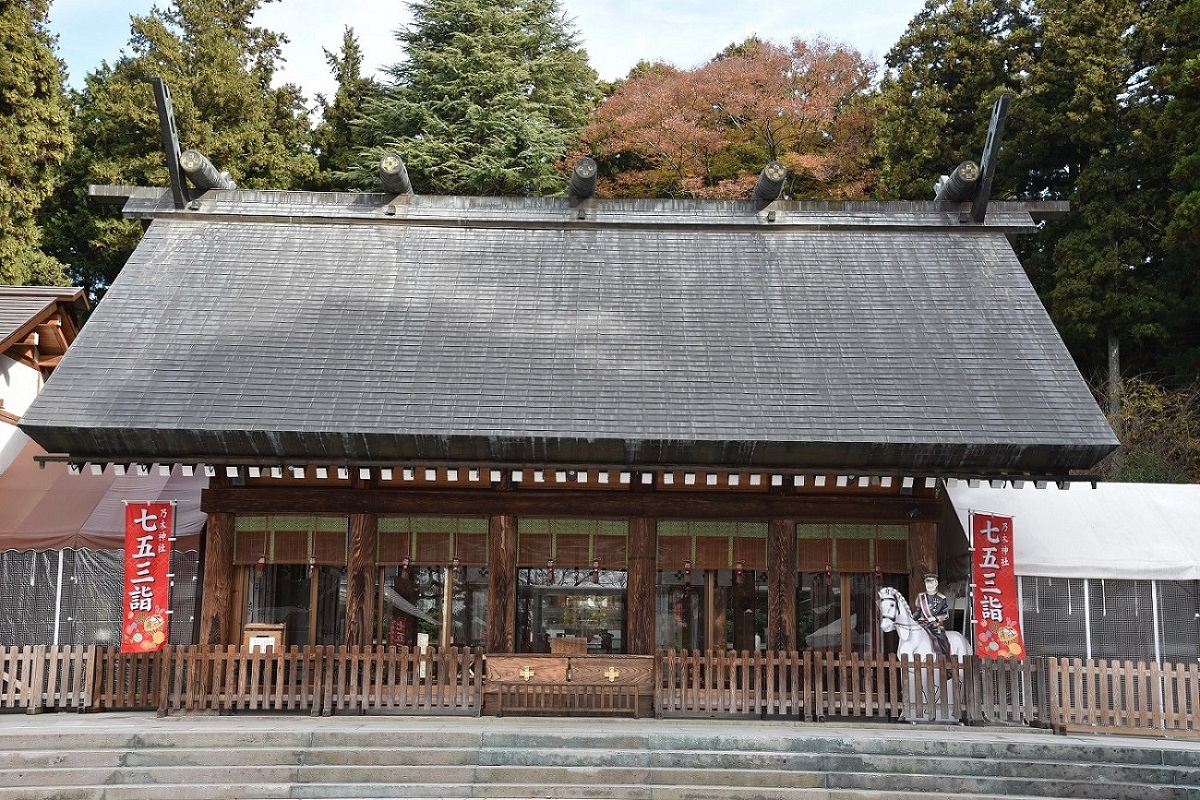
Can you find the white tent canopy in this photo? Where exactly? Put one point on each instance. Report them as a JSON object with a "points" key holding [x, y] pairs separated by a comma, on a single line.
{"points": [[49, 509], [1117, 530]]}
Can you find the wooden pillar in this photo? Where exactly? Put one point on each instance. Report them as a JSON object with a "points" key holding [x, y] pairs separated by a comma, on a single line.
{"points": [[360, 579], [639, 600], [781, 585], [216, 615], [714, 611], [502, 584], [922, 553]]}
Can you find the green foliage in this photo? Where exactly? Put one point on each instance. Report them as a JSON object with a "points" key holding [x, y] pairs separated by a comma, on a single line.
{"points": [[1177, 80], [489, 101], [34, 140], [1089, 138], [219, 68], [949, 67], [337, 139], [1100, 117]]}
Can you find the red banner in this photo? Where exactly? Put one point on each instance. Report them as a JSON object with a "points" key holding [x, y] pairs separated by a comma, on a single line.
{"points": [[997, 612], [149, 528]]}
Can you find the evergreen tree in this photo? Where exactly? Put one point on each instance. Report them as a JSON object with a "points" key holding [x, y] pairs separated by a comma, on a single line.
{"points": [[338, 139], [219, 67], [34, 139], [1084, 127], [949, 67], [1087, 109], [490, 99], [1177, 80]]}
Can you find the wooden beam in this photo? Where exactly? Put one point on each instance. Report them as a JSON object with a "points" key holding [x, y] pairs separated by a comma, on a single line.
{"points": [[51, 339], [781, 585], [991, 152], [502, 589], [639, 595], [216, 615], [619, 505], [169, 137], [360, 579]]}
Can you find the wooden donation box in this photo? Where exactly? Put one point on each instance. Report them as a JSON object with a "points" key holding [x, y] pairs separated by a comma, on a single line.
{"points": [[568, 685], [258, 636]]}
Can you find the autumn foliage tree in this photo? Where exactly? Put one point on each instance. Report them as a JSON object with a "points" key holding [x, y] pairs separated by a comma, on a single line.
{"points": [[1160, 434], [706, 132], [655, 134]]}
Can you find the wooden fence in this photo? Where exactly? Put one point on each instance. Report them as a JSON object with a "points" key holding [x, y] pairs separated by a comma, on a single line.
{"points": [[323, 680], [809, 686], [1124, 697], [1098, 696], [34, 677], [1007, 692], [313, 680]]}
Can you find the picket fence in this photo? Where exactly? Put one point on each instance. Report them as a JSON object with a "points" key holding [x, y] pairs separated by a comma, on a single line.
{"points": [[1067, 695]]}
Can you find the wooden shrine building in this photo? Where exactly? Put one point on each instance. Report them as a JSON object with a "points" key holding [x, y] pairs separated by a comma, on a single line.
{"points": [[559, 424]]}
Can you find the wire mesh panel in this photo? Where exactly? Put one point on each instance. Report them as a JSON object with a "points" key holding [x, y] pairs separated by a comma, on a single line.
{"points": [[1112, 619], [1121, 616], [1054, 618], [93, 589], [86, 596], [28, 585], [184, 590], [1179, 620]]}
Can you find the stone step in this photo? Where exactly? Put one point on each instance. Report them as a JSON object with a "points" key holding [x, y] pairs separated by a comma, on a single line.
{"points": [[1071, 751], [237, 757], [233, 738], [87, 764], [232, 791], [602, 783], [534, 777], [284, 757], [839, 762]]}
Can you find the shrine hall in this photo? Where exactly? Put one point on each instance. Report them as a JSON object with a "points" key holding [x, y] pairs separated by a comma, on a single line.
{"points": [[568, 424]]}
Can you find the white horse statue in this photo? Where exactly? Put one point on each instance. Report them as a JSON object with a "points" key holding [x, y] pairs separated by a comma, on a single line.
{"points": [[915, 641]]}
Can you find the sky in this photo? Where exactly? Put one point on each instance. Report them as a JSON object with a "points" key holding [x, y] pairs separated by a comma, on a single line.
{"points": [[616, 33]]}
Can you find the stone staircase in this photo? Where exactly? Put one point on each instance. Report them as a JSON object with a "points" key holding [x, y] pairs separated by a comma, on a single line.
{"points": [[140, 757]]}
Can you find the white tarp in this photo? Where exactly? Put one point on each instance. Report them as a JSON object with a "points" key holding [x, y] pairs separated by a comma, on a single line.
{"points": [[1117, 530]]}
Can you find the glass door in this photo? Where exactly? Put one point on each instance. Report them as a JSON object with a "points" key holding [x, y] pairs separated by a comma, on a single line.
{"points": [[309, 601], [571, 610]]}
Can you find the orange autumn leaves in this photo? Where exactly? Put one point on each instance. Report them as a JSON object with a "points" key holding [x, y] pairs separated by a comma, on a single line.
{"points": [[706, 132]]}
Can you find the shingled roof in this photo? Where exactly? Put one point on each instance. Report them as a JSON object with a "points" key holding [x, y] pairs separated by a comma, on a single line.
{"points": [[24, 308], [324, 328]]}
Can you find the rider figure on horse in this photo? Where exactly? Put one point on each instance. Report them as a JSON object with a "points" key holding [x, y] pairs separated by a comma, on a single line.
{"points": [[932, 611]]}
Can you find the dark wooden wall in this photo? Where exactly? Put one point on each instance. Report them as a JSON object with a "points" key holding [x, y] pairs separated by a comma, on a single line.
{"points": [[364, 505]]}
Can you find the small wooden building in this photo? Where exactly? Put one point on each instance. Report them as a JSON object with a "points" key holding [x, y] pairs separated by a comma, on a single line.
{"points": [[544, 425]]}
